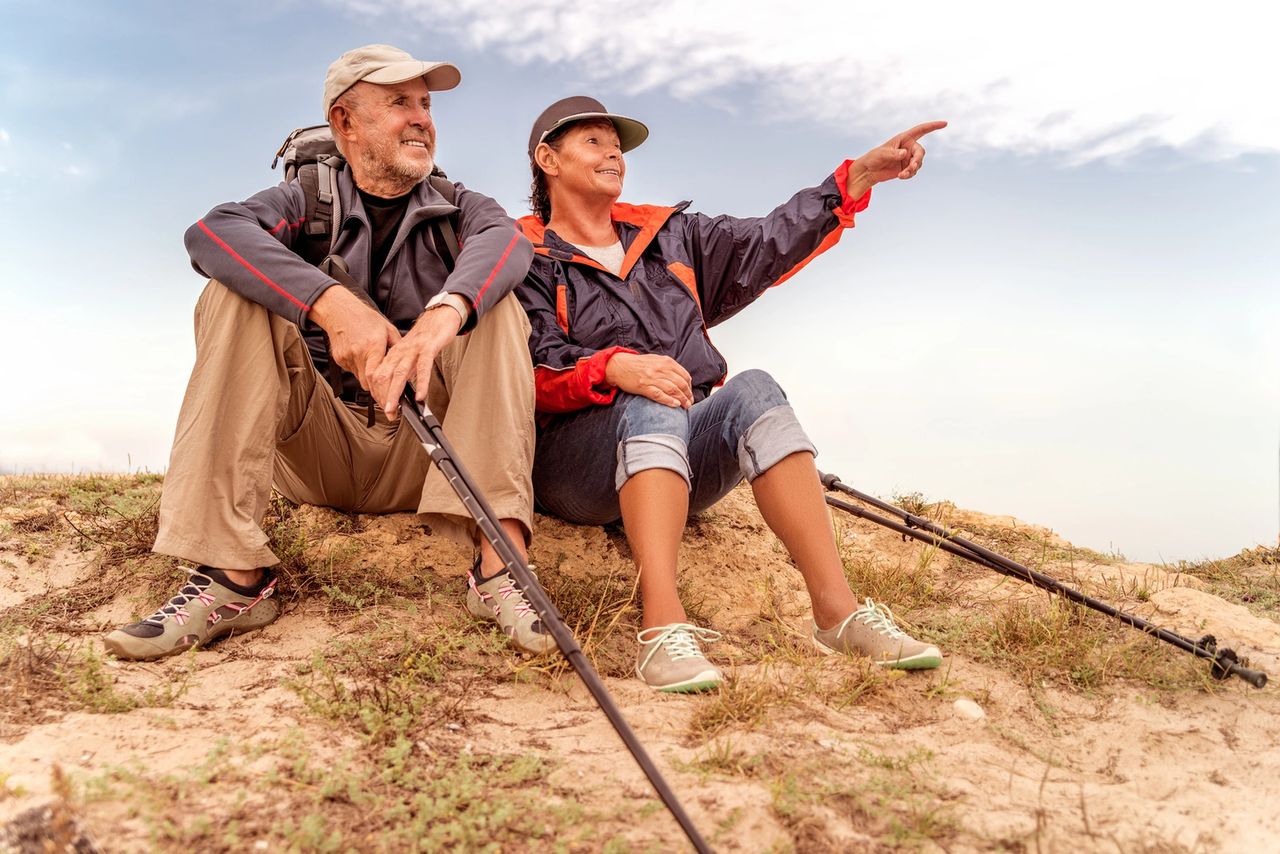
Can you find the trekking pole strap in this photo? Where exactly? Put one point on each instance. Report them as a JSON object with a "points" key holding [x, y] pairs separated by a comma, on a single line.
{"points": [[431, 434], [1225, 661]]}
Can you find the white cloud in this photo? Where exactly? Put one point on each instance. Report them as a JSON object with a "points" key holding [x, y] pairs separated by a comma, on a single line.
{"points": [[1088, 80], [4, 135]]}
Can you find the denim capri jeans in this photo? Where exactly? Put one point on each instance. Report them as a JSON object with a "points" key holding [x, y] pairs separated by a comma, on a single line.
{"points": [[741, 430]]}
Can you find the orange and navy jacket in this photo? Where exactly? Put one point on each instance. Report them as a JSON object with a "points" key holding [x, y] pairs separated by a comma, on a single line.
{"points": [[681, 274], [249, 247]]}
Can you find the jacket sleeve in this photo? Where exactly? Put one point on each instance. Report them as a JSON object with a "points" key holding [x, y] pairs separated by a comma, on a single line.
{"points": [[494, 255], [566, 377], [247, 246], [736, 260]]}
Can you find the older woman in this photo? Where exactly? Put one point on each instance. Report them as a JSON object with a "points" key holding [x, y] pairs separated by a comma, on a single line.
{"points": [[620, 298]]}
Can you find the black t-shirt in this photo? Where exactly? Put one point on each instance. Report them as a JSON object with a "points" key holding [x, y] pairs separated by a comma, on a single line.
{"points": [[384, 221]]}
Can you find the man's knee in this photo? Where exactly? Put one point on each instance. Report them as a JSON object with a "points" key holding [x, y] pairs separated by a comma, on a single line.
{"points": [[507, 318], [217, 298]]}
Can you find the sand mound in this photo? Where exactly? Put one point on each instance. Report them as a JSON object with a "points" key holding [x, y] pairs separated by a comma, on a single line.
{"points": [[374, 715]]}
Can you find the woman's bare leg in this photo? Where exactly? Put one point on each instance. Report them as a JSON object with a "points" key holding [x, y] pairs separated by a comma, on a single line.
{"points": [[655, 506], [789, 496]]}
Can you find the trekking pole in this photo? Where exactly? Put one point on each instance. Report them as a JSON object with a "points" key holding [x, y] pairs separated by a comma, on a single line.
{"points": [[431, 434], [1225, 662]]}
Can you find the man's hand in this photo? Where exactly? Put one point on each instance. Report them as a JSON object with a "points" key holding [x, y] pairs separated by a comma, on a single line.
{"points": [[411, 360], [901, 157], [359, 337], [659, 378]]}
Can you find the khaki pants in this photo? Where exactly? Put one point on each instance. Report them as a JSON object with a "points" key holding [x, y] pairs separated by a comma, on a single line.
{"points": [[257, 412]]}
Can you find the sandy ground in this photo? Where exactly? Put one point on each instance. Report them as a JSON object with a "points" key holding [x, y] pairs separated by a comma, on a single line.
{"points": [[974, 756]]}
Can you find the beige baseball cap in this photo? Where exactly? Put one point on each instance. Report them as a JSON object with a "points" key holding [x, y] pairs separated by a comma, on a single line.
{"points": [[382, 63]]}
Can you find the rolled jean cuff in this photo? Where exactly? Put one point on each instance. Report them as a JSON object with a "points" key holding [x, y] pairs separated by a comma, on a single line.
{"points": [[770, 439], [652, 451]]}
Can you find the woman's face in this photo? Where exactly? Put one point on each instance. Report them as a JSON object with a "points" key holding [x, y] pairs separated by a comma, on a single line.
{"points": [[589, 162]]}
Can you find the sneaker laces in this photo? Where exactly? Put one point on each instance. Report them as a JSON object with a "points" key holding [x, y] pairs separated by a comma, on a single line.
{"points": [[509, 587], [176, 606], [878, 617], [679, 639]]}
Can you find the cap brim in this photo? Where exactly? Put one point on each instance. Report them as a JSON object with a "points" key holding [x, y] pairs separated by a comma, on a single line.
{"points": [[630, 132], [440, 76]]}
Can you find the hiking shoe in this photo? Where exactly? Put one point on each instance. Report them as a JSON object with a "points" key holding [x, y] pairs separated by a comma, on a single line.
{"points": [[500, 599], [671, 659], [871, 631], [202, 611]]}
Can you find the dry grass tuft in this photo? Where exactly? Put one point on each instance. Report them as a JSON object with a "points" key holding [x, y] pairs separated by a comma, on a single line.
{"points": [[31, 687], [43, 676], [398, 682], [741, 704], [603, 613], [1047, 639], [1250, 578]]}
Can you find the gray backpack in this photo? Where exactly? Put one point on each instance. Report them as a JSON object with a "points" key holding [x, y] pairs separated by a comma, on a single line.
{"points": [[312, 159]]}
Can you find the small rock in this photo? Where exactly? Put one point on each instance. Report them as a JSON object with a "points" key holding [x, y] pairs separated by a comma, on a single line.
{"points": [[969, 710], [261, 845]]}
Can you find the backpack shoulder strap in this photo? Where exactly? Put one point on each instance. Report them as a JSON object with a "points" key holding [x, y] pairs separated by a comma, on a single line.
{"points": [[444, 227], [319, 182]]}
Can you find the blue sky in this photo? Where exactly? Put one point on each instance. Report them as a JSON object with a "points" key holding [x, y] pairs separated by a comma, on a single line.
{"points": [[1066, 317]]}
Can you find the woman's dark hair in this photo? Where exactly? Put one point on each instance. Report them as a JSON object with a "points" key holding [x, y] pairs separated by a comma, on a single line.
{"points": [[539, 198]]}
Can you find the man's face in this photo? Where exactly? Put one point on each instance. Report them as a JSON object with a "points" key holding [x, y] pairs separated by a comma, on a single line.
{"points": [[393, 139]]}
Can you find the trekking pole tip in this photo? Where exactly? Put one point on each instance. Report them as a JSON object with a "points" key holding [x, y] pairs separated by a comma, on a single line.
{"points": [[1226, 663]]}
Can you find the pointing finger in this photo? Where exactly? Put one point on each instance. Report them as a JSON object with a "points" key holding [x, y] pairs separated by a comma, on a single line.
{"points": [[920, 130]]}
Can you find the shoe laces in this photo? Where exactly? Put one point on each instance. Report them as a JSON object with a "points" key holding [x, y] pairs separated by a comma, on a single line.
{"points": [[878, 617], [679, 639], [509, 587], [176, 606]]}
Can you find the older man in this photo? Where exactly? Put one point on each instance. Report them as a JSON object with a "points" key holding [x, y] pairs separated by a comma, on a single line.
{"points": [[259, 410]]}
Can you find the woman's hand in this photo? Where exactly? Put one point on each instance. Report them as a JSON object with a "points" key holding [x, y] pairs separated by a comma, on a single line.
{"points": [[901, 157], [659, 378]]}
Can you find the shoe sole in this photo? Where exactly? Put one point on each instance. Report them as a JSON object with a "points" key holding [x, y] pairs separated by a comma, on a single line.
{"points": [[119, 651], [702, 682], [927, 660]]}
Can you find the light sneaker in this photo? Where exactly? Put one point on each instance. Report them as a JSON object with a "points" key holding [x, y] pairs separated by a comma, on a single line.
{"points": [[671, 659], [871, 631], [500, 599], [202, 611]]}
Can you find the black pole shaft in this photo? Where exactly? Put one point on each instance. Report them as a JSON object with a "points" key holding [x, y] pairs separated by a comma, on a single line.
{"points": [[926, 531], [442, 454]]}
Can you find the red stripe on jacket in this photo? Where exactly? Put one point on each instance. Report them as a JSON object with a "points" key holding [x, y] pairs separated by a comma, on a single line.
{"points": [[282, 224], [515, 238], [571, 389], [252, 269]]}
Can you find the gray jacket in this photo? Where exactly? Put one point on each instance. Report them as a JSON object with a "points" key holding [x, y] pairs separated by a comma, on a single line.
{"points": [[247, 247]]}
